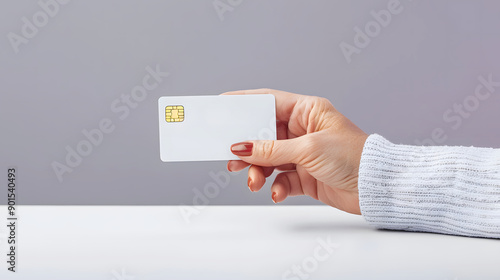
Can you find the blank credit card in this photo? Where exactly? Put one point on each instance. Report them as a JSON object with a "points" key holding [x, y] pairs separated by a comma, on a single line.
{"points": [[203, 128]]}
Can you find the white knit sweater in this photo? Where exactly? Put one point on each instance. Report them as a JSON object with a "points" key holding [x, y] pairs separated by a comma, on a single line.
{"points": [[451, 190]]}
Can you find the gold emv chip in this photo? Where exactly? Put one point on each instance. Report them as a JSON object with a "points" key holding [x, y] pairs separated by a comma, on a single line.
{"points": [[174, 113]]}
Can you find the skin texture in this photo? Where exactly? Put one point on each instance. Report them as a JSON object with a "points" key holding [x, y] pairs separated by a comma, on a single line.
{"points": [[318, 151]]}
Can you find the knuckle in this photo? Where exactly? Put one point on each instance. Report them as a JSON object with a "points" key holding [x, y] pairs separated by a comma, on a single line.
{"points": [[322, 99], [324, 103], [267, 149]]}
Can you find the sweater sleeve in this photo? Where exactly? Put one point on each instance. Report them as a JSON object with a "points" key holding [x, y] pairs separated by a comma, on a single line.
{"points": [[450, 190]]}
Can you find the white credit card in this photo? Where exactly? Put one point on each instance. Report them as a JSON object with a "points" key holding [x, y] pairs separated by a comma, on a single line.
{"points": [[202, 128]]}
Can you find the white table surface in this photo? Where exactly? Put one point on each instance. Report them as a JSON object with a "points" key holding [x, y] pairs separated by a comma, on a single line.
{"points": [[233, 242]]}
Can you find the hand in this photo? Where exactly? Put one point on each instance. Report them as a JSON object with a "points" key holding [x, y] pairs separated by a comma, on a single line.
{"points": [[318, 150]]}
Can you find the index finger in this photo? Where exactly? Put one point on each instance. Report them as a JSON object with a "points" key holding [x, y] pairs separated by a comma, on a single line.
{"points": [[285, 101]]}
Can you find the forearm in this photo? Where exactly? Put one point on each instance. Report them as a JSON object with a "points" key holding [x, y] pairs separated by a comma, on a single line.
{"points": [[452, 190]]}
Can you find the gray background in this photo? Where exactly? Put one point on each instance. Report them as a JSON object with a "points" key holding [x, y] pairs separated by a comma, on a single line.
{"points": [[65, 78]]}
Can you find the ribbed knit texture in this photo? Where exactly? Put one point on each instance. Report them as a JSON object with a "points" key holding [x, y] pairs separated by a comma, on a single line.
{"points": [[451, 190]]}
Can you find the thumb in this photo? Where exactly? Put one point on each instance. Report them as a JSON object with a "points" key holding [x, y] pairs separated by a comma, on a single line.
{"points": [[269, 152]]}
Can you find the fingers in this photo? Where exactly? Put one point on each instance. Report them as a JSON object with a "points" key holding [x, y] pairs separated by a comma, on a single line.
{"points": [[285, 101], [292, 183], [270, 152], [257, 177], [256, 174], [268, 171], [286, 184], [236, 165]]}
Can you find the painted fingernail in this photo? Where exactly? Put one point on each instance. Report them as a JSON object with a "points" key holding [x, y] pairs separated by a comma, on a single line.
{"points": [[242, 149], [229, 167], [274, 197], [250, 182]]}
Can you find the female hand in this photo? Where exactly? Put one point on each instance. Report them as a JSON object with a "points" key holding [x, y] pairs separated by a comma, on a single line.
{"points": [[318, 150]]}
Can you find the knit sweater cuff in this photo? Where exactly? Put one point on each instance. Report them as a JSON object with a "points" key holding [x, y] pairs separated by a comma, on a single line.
{"points": [[451, 190]]}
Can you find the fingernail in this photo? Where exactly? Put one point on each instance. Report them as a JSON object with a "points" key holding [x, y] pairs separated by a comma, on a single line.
{"points": [[274, 197], [250, 182], [228, 168], [242, 149]]}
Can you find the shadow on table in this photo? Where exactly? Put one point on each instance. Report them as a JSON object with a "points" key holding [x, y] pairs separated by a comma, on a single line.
{"points": [[329, 227]]}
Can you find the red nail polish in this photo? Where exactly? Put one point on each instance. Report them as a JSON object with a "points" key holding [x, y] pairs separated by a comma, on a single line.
{"points": [[274, 197], [242, 149], [250, 182]]}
